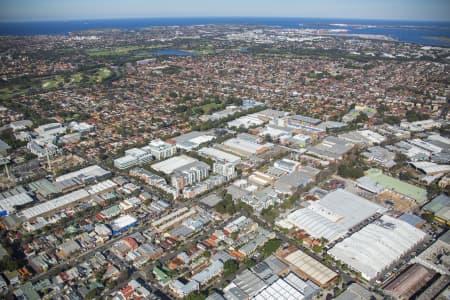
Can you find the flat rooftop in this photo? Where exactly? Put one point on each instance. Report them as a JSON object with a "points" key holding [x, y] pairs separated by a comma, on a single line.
{"points": [[333, 215], [168, 166], [396, 185], [310, 267], [219, 155], [95, 171], [377, 246]]}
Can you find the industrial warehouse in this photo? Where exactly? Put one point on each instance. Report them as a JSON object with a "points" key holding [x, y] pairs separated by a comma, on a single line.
{"points": [[244, 147], [332, 216], [67, 200], [377, 246]]}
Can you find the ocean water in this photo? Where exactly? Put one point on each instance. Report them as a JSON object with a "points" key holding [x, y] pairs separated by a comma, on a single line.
{"points": [[404, 31]]}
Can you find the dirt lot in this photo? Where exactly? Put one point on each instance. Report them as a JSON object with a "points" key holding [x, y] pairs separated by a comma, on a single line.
{"points": [[399, 202]]}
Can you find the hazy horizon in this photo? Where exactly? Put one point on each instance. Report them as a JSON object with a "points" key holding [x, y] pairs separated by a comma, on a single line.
{"points": [[223, 17], [65, 10]]}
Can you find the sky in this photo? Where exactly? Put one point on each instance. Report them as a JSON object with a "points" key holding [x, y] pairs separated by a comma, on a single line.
{"points": [[31, 10]]}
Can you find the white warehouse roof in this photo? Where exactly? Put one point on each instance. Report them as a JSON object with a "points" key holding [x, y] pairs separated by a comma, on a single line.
{"points": [[280, 290], [9, 203], [122, 222], [94, 171], [219, 155], [245, 146], [169, 165], [54, 204], [333, 215], [430, 168], [372, 136], [377, 246], [159, 145], [101, 187]]}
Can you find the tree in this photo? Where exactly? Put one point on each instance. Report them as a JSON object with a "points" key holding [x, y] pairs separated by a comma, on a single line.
{"points": [[433, 189], [249, 263], [230, 267], [245, 207], [92, 294], [290, 201], [412, 116], [29, 156], [269, 214], [268, 138], [195, 296], [226, 205], [401, 158], [181, 108], [348, 171], [392, 120], [270, 247], [406, 175], [318, 249], [362, 118], [429, 217], [7, 135], [8, 264]]}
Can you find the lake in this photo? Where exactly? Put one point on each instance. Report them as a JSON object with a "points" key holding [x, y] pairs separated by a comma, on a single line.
{"points": [[173, 52]]}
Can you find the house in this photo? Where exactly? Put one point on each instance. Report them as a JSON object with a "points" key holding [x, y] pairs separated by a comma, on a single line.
{"points": [[4, 147], [12, 277], [38, 264], [68, 248]]}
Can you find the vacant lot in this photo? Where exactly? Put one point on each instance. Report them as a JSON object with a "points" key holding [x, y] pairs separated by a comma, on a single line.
{"points": [[398, 202]]}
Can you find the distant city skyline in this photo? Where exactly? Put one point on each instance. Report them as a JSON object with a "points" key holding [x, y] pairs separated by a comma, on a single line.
{"points": [[46, 10]]}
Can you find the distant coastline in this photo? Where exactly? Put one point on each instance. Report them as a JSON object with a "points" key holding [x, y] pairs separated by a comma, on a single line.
{"points": [[427, 33], [439, 38]]}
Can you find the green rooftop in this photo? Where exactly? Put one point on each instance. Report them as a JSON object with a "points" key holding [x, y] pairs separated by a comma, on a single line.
{"points": [[111, 211], [44, 186], [71, 229], [440, 207], [398, 186], [438, 203], [444, 214], [29, 292], [161, 276], [42, 285]]}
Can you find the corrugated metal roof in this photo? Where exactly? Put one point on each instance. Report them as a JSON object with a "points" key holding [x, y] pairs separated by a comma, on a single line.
{"points": [[396, 185], [315, 270], [377, 246]]}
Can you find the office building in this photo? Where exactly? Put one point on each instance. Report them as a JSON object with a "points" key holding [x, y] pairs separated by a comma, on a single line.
{"points": [[160, 149]]}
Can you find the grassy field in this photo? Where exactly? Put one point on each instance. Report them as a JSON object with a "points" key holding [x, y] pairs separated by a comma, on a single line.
{"points": [[114, 51], [208, 108], [53, 82], [140, 51], [102, 74], [76, 78], [11, 91]]}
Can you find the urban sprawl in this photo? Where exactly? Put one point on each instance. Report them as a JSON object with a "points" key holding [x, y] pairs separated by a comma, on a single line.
{"points": [[223, 162]]}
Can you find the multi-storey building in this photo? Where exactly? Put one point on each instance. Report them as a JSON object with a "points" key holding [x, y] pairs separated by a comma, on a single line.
{"points": [[189, 174], [160, 149]]}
